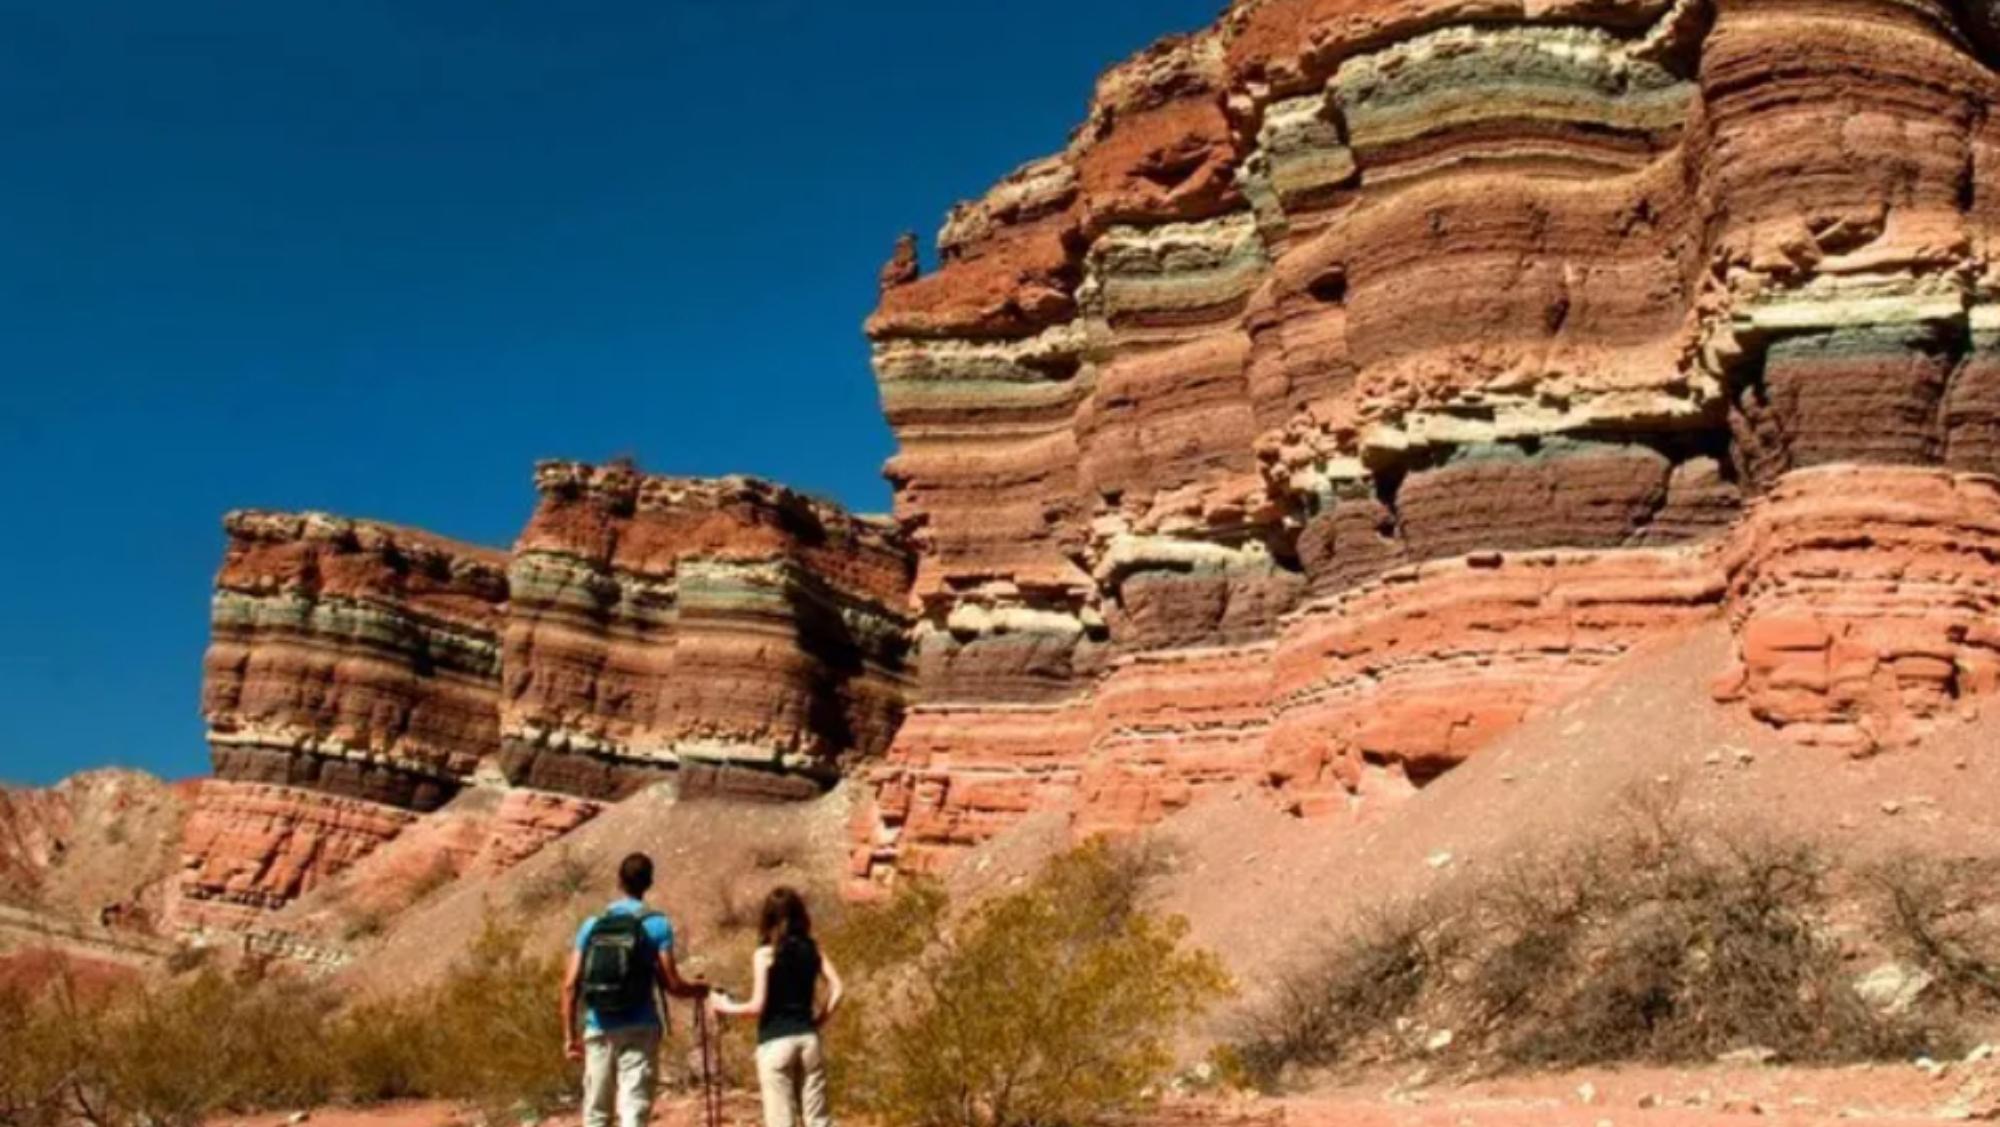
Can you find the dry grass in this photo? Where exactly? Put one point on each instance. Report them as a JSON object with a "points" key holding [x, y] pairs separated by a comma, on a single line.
{"points": [[554, 882]]}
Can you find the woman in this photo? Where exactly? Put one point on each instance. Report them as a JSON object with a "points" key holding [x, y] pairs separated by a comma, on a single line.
{"points": [[791, 1066]]}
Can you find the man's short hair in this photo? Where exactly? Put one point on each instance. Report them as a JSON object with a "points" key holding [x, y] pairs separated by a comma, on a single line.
{"points": [[635, 874]]}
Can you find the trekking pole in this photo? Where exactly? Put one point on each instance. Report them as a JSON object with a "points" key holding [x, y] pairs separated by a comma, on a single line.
{"points": [[711, 1068]]}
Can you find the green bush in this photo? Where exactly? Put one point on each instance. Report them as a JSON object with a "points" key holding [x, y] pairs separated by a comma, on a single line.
{"points": [[37, 1063], [1050, 1005]]}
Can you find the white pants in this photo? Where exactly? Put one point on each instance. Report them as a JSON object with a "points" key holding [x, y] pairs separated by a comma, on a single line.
{"points": [[618, 1067], [791, 1072]]}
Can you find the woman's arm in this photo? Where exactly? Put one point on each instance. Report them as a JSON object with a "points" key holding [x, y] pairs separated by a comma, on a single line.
{"points": [[760, 970], [834, 990]]}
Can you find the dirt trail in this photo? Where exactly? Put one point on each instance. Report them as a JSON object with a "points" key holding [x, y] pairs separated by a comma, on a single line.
{"points": [[1708, 1097]]}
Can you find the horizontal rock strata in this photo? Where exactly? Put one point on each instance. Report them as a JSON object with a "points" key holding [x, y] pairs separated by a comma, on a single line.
{"points": [[1867, 603], [251, 848], [732, 636], [1359, 380], [352, 658], [739, 634]]}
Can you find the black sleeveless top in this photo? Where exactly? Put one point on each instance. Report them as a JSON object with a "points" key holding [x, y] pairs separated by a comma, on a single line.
{"points": [[788, 992]]}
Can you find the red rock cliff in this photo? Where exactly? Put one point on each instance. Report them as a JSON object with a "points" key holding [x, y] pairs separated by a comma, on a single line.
{"points": [[1363, 377]]}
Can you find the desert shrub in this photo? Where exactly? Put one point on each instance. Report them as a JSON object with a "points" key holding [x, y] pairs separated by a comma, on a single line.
{"points": [[37, 1063], [187, 1048], [1656, 943], [439, 875], [359, 923], [1049, 1005], [1362, 987], [558, 881], [1931, 913], [1673, 951], [489, 1033], [177, 1054], [384, 1051], [186, 958], [170, 1055], [498, 1029], [731, 910], [877, 938]]}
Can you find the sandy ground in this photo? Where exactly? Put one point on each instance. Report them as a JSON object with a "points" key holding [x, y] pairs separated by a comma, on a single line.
{"points": [[1634, 1097]]}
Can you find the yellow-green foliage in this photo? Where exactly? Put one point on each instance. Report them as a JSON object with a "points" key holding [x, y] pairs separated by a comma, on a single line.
{"points": [[1050, 1005], [179, 1052], [497, 1031], [167, 1056], [35, 1063]]}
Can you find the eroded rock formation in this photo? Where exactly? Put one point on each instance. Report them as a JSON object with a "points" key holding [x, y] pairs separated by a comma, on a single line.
{"points": [[733, 636], [738, 634], [1361, 378], [1359, 381]]}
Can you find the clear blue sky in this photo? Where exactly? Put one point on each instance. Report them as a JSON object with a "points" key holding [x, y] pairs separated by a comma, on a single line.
{"points": [[378, 256]]}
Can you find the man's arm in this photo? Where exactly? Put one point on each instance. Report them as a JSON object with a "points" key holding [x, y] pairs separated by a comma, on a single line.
{"points": [[572, 976], [670, 978]]}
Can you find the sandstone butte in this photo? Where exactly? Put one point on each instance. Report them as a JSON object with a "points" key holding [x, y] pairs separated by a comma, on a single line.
{"points": [[1360, 380]]}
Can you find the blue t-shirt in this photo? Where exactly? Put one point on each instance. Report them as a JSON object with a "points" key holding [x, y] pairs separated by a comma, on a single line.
{"points": [[661, 932]]}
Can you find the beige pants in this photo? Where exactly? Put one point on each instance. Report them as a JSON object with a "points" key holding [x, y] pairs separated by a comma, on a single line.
{"points": [[618, 1067], [791, 1071]]}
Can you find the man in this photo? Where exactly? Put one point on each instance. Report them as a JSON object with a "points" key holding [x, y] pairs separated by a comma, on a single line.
{"points": [[621, 961]]}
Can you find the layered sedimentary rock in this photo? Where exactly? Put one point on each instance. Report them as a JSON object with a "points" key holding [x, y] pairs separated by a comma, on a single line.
{"points": [[1867, 601], [351, 684], [251, 848], [1361, 378], [736, 634], [353, 658], [736, 637]]}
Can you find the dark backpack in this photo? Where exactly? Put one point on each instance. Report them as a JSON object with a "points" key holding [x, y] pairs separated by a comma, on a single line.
{"points": [[620, 964]]}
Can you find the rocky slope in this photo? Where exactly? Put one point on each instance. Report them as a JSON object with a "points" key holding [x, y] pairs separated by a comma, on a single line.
{"points": [[1361, 380], [95, 849]]}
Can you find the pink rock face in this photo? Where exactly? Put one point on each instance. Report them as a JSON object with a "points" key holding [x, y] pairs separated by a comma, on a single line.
{"points": [[527, 821], [1363, 377], [1867, 603], [250, 848], [96, 848], [35, 827]]}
